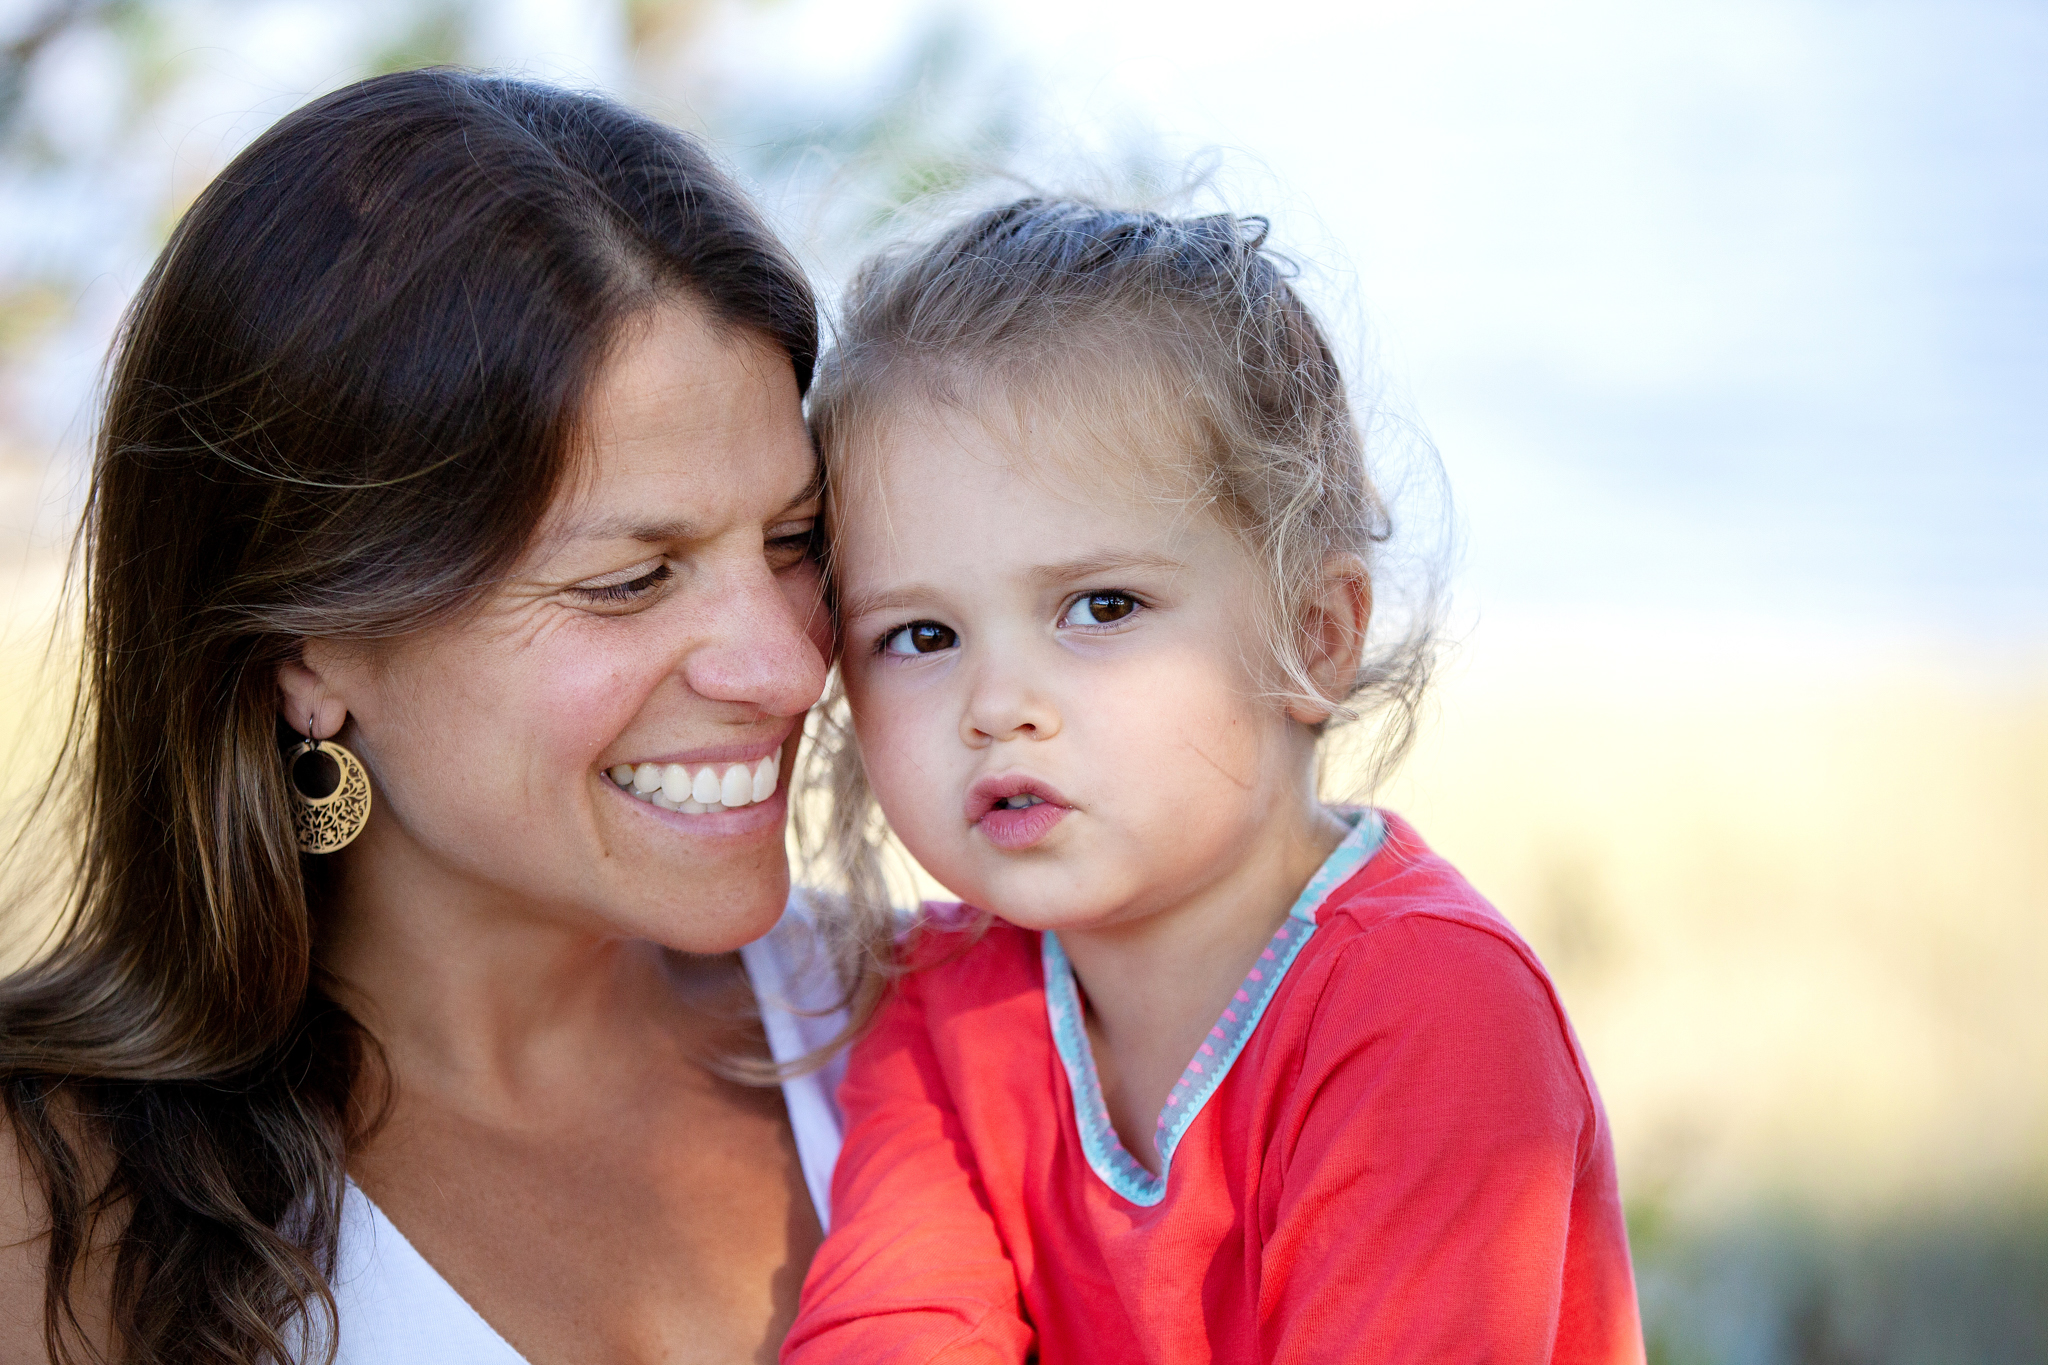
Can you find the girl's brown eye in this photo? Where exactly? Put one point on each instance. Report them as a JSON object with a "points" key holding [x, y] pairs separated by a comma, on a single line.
{"points": [[919, 637], [1099, 609]]}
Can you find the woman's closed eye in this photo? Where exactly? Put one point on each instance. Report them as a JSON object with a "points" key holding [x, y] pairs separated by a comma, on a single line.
{"points": [[625, 589], [1100, 609], [919, 637], [791, 544]]}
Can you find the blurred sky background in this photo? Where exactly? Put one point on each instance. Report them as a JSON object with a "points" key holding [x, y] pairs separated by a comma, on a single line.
{"points": [[1727, 324]]}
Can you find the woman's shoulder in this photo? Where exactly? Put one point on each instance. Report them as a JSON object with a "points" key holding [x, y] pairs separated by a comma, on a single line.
{"points": [[24, 1243], [25, 1250]]}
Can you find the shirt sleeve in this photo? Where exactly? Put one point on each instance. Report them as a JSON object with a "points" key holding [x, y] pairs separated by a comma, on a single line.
{"points": [[1429, 1165], [914, 1269]]}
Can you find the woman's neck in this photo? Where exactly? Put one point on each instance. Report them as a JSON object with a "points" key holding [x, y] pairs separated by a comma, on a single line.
{"points": [[1155, 986], [468, 990]]}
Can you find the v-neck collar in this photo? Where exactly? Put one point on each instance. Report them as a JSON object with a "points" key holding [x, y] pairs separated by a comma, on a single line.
{"points": [[1212, 1061]]}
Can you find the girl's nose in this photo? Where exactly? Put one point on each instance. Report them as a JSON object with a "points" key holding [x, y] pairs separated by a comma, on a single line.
{"points": [[759, 641], [1005, 705]]}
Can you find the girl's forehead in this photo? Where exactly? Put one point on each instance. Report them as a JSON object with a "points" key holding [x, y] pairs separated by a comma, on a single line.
{"points": [[948, 503], [1071, 433]]}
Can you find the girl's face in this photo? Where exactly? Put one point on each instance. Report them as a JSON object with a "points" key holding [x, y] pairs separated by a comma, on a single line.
{"points": [[1056, 680], [667, 614]]}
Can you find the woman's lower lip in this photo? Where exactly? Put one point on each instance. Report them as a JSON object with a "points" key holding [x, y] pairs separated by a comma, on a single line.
{"points": [[1021, 828]]}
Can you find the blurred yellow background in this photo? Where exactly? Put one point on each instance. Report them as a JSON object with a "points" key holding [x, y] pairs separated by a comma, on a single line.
{"points": [[1797, 917], [1727, 324]]}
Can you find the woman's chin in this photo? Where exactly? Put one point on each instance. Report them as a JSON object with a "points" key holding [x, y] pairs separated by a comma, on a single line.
{"points": [[721, 908]]}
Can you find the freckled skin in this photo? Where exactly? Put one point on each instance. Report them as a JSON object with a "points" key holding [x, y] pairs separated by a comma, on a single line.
{"points": [[1194, 818], [508, 924], [514, 927], [490, 741]]}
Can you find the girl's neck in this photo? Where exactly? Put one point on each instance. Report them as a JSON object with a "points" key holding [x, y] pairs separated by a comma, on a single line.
{"points": [[1155, 986]]}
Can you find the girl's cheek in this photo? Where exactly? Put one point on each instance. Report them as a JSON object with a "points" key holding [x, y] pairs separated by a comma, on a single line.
{"points": [[899, 741]]}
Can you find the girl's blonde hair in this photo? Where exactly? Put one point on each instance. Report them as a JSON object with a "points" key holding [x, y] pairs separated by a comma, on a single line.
{"points": [[1191, 321]]}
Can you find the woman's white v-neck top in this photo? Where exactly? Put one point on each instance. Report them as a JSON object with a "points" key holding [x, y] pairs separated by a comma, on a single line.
{"points": [[392, 1308]]}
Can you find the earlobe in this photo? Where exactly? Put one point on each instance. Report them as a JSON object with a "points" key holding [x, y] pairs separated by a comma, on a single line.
{"points": [[1335, 625], [305, 697]]}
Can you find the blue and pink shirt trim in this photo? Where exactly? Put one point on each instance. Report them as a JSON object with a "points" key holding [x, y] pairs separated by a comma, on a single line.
{"points": [[1205, 1071]]}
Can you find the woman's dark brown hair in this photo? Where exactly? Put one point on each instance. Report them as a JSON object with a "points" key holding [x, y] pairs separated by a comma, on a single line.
{"points": [[339, 406]]}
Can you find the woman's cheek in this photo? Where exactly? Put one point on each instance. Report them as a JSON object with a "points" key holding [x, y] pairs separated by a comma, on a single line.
{"points": [[597, 692], [804, 589]]}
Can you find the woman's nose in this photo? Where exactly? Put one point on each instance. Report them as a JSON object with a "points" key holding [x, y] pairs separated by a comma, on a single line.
{"points": [[1004, 703], [757, 642]]}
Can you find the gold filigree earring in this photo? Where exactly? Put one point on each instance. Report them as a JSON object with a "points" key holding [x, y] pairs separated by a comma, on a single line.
{"points": [[332, 818]]}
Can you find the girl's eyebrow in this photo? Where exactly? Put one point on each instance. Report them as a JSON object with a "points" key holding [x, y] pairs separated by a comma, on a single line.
{"points": [[894, 599], [1103, 562], [910, 596]]}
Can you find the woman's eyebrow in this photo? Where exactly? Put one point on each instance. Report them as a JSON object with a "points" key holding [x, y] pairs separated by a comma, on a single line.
{"points": [[812, 491], [632, 528]]}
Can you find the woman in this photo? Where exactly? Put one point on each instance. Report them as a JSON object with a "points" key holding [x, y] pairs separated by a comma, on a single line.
{"points": [[454, 443]]}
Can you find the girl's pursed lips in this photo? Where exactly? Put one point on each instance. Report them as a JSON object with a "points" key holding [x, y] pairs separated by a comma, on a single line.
{"points": [[1010, 789]]}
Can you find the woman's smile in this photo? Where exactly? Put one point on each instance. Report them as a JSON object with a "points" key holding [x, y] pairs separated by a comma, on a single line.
{"points": [[696, 791]]}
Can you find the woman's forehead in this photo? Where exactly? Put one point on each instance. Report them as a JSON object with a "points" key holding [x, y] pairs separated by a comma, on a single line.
{"points": [[691, 425]]}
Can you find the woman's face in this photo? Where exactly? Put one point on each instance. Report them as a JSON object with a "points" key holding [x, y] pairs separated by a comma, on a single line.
{"points": [[667, 614]]}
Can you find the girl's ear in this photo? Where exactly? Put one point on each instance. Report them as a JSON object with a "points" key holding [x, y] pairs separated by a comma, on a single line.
{"points": [[1334, 625], [306, 695]]}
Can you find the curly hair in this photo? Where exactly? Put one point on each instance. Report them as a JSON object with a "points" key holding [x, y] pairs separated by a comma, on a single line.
{"points": [[1097, 313]]}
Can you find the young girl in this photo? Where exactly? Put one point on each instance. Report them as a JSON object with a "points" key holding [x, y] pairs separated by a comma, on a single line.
{"points": [[1229, 1074]]}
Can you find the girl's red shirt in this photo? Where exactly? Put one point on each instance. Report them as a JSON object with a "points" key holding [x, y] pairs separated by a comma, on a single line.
{"points": [[1408, 1162]]}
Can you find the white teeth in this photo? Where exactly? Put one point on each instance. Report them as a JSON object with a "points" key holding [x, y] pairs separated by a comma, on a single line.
{"points": [[671, 786]]}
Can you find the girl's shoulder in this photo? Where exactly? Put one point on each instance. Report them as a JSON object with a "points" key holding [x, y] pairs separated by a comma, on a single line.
{"points": [[948, 940], [1406, 882], [1408, 948]]}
